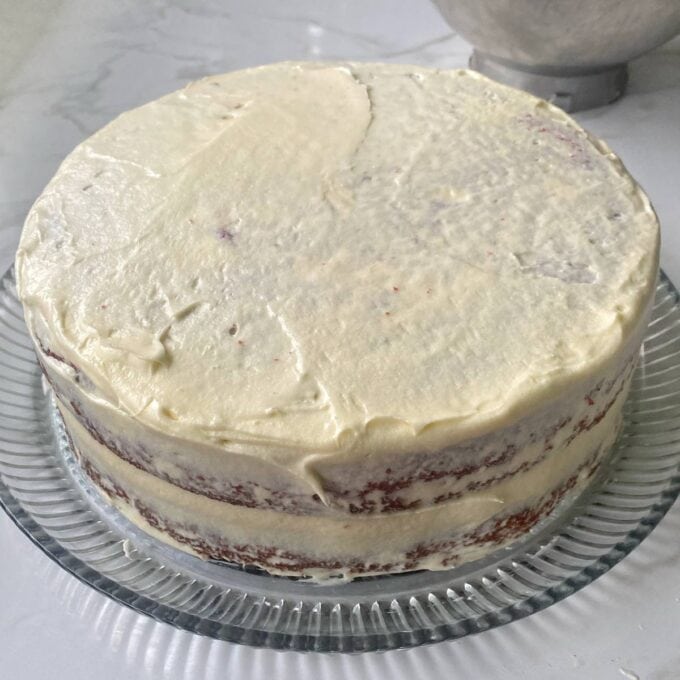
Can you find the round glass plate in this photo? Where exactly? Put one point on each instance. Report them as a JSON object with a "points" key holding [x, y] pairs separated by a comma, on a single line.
{"points": [[43, 491]]}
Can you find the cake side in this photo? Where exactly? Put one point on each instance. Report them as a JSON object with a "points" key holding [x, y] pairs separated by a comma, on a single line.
{"points": [[281, 534], [377, 484], [321, 547]]}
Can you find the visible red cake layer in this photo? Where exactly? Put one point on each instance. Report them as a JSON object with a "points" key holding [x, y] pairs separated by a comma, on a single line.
{"points": [[495, 533], [245, 493], [372, 487], [388, 482]]}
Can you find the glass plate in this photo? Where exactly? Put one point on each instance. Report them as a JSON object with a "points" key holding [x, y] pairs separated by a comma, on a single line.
{"points": [[43, 491]]}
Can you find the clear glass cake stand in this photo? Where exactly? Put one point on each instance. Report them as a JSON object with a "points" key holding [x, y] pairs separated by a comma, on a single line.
{"points": [[48, 498]]}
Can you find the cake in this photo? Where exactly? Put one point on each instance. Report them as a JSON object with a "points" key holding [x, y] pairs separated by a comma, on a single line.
{"points": [[338, 320]]}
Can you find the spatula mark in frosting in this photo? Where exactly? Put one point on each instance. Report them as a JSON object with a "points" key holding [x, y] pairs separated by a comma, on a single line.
{"points": [[337, 191], [148, 346], [565, 270], [308, 394], [369, 98]]}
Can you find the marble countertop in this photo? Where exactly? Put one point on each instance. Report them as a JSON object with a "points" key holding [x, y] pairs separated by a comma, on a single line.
{"points": [[69, 66]]}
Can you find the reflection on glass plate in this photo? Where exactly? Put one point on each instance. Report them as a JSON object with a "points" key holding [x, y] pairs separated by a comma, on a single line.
{"points": [[43, 491]]}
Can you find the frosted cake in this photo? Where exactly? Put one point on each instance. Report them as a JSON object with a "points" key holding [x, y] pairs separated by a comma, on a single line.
{"points": [[340, 319]]}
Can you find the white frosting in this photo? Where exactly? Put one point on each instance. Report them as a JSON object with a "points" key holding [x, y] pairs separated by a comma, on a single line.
{"points": [[307, 260], [261, 280]]}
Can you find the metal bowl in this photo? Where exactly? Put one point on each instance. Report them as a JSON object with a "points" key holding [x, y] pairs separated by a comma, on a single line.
{"points": [[572, 52]]}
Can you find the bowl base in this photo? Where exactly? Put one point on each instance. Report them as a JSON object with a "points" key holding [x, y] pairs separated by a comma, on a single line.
{"points": [[571, 90]]}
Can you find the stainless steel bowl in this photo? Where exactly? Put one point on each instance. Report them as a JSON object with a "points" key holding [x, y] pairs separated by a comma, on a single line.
{"points": [[573, 52]]}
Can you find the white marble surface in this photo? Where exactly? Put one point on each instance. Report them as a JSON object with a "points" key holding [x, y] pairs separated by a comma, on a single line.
{"points": [[69, 66]]}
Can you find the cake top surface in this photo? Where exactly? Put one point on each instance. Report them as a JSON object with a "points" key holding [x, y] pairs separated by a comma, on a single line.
{"points": [[321, 257]]}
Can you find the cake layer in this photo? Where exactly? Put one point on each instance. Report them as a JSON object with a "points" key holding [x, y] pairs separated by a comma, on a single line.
{"points": [[323, 546]]}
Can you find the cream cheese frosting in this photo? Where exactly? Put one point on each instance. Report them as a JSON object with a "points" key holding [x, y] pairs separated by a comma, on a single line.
{"points": [[334, 260]]}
